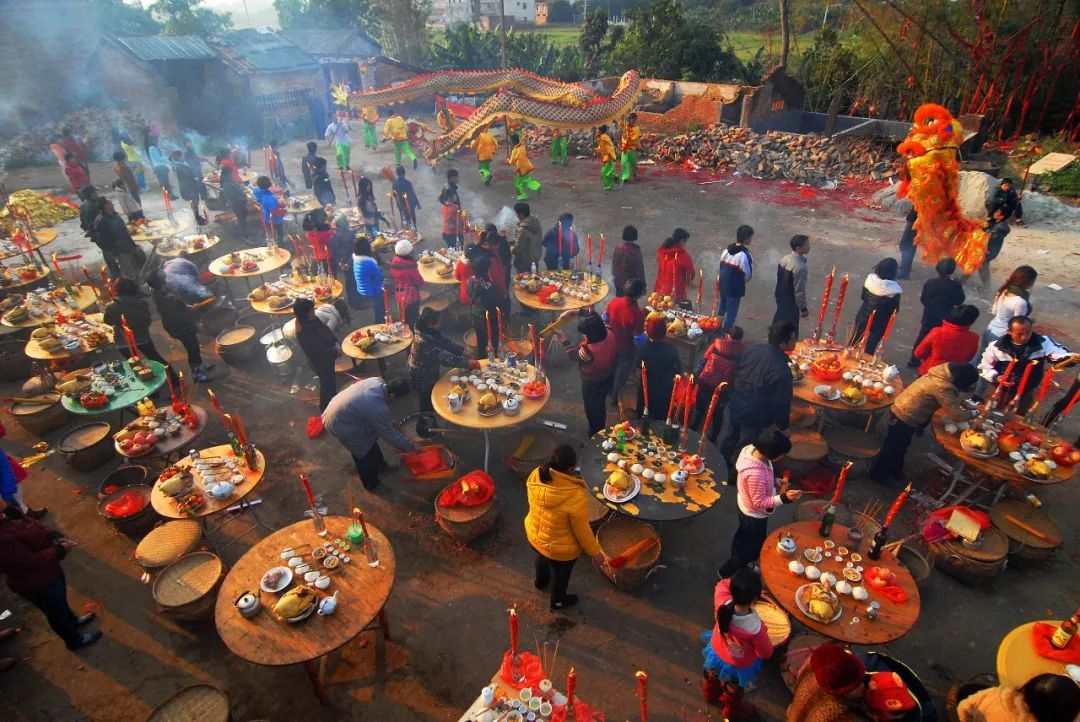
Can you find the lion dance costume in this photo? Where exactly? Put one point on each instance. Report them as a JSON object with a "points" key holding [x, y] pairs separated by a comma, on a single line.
{"points": [[931, 180]]}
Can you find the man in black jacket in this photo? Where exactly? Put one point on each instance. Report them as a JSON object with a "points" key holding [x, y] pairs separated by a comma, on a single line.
{"points": [[131, 308], [178, 319], [1007, 199], [123, 257], [790, 290], [939, 297], [761, 391], [321, 347], [190, 184], [308, 163]]}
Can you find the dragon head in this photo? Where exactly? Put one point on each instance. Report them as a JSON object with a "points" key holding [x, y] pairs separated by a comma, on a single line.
{"points": [[935, 128]]}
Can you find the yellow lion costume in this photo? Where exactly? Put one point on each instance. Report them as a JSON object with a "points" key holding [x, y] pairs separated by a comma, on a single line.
{"points": [[931, 180]]}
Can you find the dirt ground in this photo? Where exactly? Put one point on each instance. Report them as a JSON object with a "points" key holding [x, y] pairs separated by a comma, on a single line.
{"points": [[447, 610]]}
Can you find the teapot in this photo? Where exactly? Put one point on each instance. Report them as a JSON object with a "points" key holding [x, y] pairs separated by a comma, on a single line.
{"points": [[678, 478], [248, 604], [786, 546], [510, 407], [327, 605], [890, 373], [608, 445], [221, 489]]}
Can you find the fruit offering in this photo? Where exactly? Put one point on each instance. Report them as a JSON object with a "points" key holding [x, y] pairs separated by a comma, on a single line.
{"points": [[534, 389], [93, 399], [827, 367]]}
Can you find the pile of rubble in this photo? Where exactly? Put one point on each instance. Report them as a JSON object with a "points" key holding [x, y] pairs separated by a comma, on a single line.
{"points": [[96, 123], [811, 159], [579, 142]]}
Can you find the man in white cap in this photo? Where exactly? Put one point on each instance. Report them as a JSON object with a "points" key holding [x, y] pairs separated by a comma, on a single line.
{"points": [[407, 283]]}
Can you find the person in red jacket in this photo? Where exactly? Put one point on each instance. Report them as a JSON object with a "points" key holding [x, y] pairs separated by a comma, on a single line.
{"points": [[31, 562], [737, 646], [951, 342], [76, 174], [716, 366], [595, 357], [319, 233], [674, 266], [407, 281], [626, 319]]}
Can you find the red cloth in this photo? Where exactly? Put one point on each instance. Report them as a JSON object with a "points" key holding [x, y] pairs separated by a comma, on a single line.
{"points": [[530, 668], [626, 319], [127, 504], [451, 220], [1040, 636], [947, 343], [315, 427], [463, 272], [76, 176], [933, 529], [473, 489], [425, 462], [319, 242], [674, 261]]}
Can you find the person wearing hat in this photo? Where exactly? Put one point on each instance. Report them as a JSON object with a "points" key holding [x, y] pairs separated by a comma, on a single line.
{"points": [[829, 688], [661, 362], [627, 262], [407, 281], [940, 295], [887, 697]]}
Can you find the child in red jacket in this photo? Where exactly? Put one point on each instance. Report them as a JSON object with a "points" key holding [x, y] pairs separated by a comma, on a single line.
{"points": [[716, 366], [951, 342], [407, 281], [737, 646]]}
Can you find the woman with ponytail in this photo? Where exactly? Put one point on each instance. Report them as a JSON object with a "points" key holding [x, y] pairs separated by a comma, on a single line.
{"points": [[557, 525], [737, 646]]}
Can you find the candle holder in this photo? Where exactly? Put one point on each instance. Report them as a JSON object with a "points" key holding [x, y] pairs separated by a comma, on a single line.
{"points": [[645, 423], [671, 433]]}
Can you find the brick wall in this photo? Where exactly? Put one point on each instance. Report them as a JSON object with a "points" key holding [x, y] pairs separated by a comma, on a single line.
{"points": [[692, 112]]}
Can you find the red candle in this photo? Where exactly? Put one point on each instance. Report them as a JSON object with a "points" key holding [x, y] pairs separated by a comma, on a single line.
{"points": [[897, 504], [588, 240], [840, 482], [513, 632], [716, 295], [498, 314], [674, 272], [1023, 382], [1045, 386], [645, 384], [866, 331], [824, 304], [168, 201], [487, 319], [839, 304], [217, 409], [709, 414], [885, 336], [688, 401], [360, 519], [700, 285], [571, 684], [1072, 403], [643, 694], [600, 257], [1002, 379], [168, 380], [532, 339], [675, 386], [307, 489]]}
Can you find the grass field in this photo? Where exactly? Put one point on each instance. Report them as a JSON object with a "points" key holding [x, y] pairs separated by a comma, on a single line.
{"points": [[746, 44]]}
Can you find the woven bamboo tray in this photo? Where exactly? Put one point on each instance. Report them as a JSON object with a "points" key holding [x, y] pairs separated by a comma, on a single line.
{"points": [[168, 542], [618, 534], [187, 588], [197, 703]]}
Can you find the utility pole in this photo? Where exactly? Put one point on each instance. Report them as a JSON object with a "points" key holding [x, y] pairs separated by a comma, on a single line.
{"points": [[502, 31]]}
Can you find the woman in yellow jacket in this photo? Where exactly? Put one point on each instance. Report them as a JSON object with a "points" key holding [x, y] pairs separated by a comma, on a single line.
{"points": [[485, 146], [523, 167], [557, 525], [606, 150]]}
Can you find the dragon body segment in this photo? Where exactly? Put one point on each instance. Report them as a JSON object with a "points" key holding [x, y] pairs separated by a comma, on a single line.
{"points": [[473, 82]]}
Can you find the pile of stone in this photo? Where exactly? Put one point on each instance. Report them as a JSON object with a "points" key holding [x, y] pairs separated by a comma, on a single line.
{"points": [[579, 142], [809, 158], [32, 147]]}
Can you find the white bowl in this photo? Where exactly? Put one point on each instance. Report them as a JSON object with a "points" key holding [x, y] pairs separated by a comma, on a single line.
{"points": [[813, 573], [796, 567]]}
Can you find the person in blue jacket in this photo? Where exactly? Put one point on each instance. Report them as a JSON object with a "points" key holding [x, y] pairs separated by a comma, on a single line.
{"points": [[273, 214], [369, 277], [570, 246]]}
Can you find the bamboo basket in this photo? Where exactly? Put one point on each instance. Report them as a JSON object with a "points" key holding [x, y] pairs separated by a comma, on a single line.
{"points": [[197, 703], [465, 523], [978, 567], [187, 588], [777, 622], [536, 444], [1026, 548], [597, 510], [168, 543], [918, 559], [615, 536], [41, 418]]}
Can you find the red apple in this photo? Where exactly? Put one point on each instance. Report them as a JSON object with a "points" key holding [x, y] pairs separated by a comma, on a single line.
{"points": [[1035, 439], [126, 445], [1065, 454], [1009, 442]]}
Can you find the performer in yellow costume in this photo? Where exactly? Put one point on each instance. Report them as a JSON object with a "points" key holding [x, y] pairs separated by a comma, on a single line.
{"points": [[558, 147], [523, 167], [395, 130], [485, 146], [369, 116], [606, 150], [631, 137]]}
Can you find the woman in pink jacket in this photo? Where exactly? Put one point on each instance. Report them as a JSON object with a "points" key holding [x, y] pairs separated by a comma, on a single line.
{"points": [[407, 281], [737, 646]]}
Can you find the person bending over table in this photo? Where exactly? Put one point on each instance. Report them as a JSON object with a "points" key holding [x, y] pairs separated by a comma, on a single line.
{"points": [[430, 351], [1022, 345], [1045, 698], [178, 319], [320, 346], [557, 525], [760, 393], [717, 365], [595, 357], [485, 300], [130, 307], [913, 409], [359, 416], [31, 563], [758, 497]]}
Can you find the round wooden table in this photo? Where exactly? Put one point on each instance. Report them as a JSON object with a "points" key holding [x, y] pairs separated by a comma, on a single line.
{"points": [[18, 283], [894, 620], [265, 260], [42, 238], [300, 204], [656, 502], [166, 506], [34, 350], [246, 176], [161, 228], [84, 297], [183, 247], [804, 388], [380, 351], [362, 595], [470, 418], [429, 272], [569, 304], [170, 445], [137, 391], [1017, 660], [292, 286]]}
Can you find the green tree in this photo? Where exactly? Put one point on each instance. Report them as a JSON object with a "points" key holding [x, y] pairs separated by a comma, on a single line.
{"points": [[185, 17], [467, 47], [403, 28], [560, 11], [825, 69], [595, 42], [328, 14], [117, 17]]}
